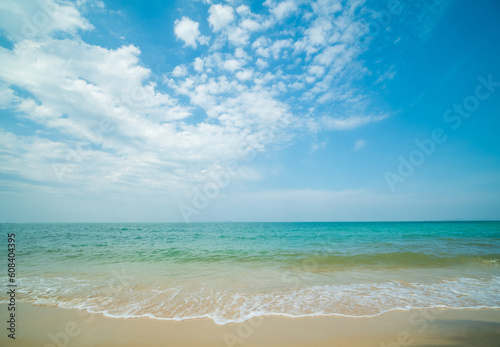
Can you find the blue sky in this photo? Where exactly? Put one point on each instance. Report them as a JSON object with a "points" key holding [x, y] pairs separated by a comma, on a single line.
{"points": [[289, 110]]}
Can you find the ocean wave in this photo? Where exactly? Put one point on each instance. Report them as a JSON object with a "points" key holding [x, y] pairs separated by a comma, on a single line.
{"points": [[225, 306], [407, 259], [322, 259], [223, 321]]}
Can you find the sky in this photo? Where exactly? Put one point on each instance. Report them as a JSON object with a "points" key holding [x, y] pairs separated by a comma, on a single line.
{"points": [[172, 111]]}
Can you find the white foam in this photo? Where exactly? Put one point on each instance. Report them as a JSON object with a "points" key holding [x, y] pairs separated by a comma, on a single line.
{"points": [[239, 305]]}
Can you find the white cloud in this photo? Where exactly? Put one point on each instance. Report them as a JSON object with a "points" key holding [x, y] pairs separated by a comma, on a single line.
{"points": [[232, 64], [240, 53], [359, 144], [316, 70], [179, 70], [310, 79], [198, 64], [261, 64], [317, 35], [30, 19], [187, 30], [282, 9], [329, 54], [237, 36], [297, 85], [243, 10], [387, 75], [326, 6], [348, 123], [244, 75], [318, 145], [242, 104], [146, 148], [278, 46], [261, 46], [220, 16], [250, 25]]}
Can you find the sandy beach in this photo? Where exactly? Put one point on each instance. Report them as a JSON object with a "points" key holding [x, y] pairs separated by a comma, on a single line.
{"points": [[275, 284], [50, 326]]}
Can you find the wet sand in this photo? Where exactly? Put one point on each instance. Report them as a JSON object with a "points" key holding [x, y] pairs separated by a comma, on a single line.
{"points": [[50, 327]]}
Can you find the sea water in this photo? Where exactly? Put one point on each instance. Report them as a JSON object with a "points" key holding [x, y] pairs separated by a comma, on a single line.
{"points": [[231, 272]]}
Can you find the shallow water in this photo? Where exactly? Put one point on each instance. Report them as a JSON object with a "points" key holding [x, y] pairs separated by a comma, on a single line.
{"points": [[231, 272]]}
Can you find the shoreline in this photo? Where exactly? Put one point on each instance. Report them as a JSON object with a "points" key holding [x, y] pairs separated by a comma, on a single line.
{"points": [[271, 314], [53, 326]]}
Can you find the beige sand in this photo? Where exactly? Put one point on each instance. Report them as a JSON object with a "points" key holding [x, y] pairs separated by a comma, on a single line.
{"points": [[47, 326]]}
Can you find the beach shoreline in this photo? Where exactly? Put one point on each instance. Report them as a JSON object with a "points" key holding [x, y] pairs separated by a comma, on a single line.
{"points": [[53, 326]]}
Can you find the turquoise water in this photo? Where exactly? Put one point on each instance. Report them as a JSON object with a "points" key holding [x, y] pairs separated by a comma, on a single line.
{"points": [[231, 272]]}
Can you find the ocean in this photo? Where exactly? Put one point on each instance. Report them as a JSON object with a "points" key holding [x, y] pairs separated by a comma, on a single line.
{"points": [[231, 272]]}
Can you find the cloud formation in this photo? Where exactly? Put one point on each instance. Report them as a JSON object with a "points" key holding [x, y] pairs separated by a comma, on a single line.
{"points": [[95, 119], [32, 19], [187, 30], [220, 16]]}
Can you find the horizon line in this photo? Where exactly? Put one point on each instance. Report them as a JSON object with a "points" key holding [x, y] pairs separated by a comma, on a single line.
{"points": [[199, 222]]}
